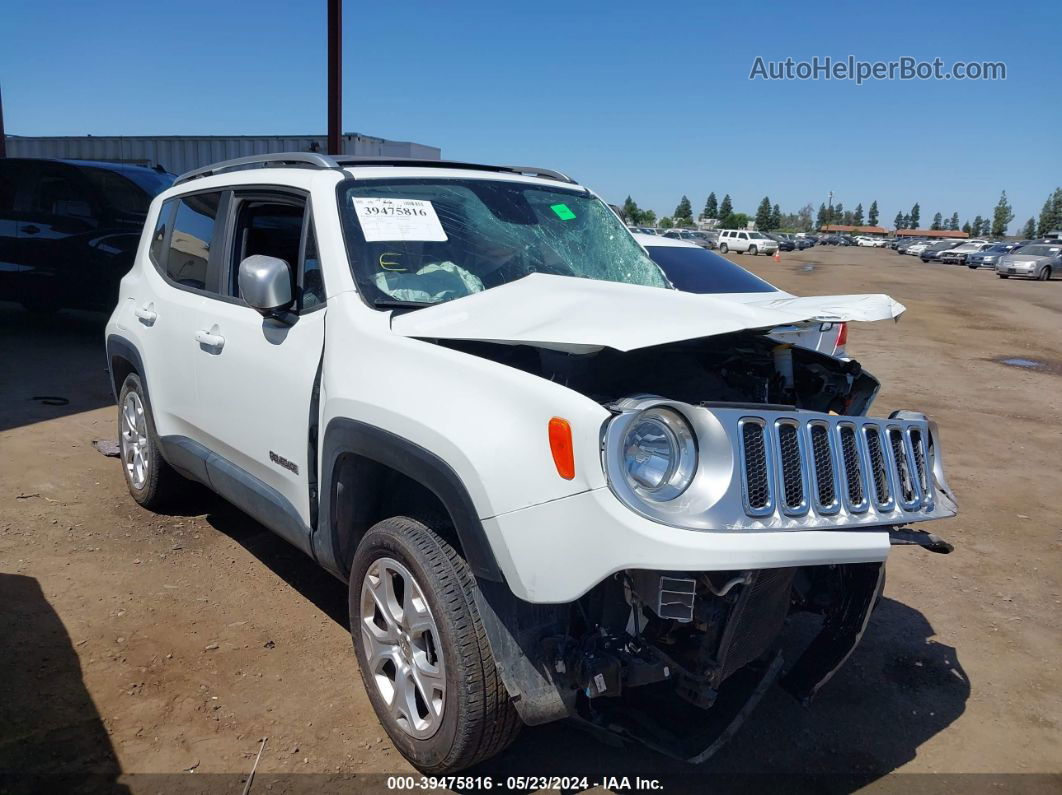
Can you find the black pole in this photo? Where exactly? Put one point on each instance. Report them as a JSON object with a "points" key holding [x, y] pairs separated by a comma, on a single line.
{"points": [[335, 75], [3, 138]]}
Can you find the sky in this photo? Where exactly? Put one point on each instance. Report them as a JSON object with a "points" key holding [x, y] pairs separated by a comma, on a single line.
{"points": [[626, 98]]}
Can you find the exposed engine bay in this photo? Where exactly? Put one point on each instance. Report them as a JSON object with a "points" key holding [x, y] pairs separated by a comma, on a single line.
{"points": [[745, 367], [677, 660]]}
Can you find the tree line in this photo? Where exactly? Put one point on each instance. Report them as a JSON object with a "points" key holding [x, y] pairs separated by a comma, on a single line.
{"points": [[769, 217]]}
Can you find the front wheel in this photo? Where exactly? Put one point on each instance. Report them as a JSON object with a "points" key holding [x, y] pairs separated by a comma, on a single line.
{"points": [[1002, 276], [1045, 274], [753, 251], [723, 248], [422, 650]]}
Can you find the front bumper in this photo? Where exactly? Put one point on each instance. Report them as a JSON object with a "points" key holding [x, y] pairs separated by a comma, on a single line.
{"points": [[773, 488], [557, 551]]}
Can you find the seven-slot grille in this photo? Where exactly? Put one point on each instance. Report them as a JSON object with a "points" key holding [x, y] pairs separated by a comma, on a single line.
{"points": [[793, 465]]}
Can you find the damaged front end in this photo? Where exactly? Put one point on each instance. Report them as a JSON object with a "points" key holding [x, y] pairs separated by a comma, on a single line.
{"points": [[745, 484], [770, 439], [676, 660]]}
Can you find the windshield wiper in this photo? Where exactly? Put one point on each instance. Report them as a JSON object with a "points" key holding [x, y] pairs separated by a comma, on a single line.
{"points": [[394, 303]]}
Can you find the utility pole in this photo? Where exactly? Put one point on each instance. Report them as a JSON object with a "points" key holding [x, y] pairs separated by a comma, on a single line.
{"points": [[829, 211], [335, 75]]}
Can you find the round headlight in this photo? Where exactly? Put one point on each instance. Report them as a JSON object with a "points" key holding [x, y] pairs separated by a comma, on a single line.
{"points": [[659, 454]]}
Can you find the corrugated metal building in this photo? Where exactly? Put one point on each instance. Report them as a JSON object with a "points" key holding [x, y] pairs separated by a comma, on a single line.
{"points": [[180, 153]]}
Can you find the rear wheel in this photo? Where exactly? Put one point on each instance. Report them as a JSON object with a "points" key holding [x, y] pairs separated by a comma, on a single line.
{"points": [[1002, 276], [422, 650]]}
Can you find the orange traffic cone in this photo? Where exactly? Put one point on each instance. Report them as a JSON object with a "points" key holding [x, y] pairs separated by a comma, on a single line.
{"points": [[777, 256]]}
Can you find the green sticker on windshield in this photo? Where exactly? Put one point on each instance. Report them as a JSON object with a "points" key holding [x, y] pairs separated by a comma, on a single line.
{"points": [[563, 211]]}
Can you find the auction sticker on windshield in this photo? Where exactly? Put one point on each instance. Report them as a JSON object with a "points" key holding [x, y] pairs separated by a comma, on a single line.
{"points": [[398, 219]]}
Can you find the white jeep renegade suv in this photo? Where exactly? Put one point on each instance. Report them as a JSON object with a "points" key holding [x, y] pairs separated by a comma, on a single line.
{"points": [[556, 486]]}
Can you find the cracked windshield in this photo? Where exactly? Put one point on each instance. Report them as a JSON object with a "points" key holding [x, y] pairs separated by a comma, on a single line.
{"points": [[429, 241]]}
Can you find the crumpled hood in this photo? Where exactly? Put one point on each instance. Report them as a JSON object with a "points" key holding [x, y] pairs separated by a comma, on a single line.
{"points": [[581, 315], [833, 308]]}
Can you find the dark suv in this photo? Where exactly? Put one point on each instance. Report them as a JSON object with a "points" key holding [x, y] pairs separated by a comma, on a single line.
{"points": [[69, 229]]}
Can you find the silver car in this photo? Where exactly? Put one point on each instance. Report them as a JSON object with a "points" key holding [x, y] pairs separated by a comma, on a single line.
{"points": [[1038, 261], [987, 258]]}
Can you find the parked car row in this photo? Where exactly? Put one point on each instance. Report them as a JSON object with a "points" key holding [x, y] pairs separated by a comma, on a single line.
{"points": [[1030, 259]]}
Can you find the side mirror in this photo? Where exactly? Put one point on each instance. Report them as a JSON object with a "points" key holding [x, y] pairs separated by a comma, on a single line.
{"points": [[265, 284]]}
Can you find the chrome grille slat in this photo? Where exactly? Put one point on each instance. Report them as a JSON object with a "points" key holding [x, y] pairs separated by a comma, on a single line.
{"points": [[794, 466], [916, 439], [791, 471], [756, 467], [902, 468], [877, 463], [823, 467], [855, 484]]}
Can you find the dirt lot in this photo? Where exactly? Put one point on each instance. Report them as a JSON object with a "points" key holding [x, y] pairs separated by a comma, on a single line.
{"points": [[136, 643]]}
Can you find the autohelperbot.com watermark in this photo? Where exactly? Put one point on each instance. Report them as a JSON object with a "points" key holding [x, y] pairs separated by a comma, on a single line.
{"points": [[851, 68]]}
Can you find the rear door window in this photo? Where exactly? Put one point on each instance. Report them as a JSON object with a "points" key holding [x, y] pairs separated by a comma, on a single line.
{"points": [[194, 226]]}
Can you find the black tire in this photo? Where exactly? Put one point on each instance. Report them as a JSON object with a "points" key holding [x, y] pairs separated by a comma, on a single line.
{"points": [[753, 251], [724, 248], [1002, 276], [162, 485], [478, 719], [1045, 274]]}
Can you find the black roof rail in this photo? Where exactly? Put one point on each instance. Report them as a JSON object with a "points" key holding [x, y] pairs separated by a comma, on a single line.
{"points": [[315, 160]]}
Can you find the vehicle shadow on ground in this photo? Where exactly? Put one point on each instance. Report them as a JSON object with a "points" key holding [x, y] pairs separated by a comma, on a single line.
{"points": [[54, 365], [898, 689], [298, 570], [51, 736]]}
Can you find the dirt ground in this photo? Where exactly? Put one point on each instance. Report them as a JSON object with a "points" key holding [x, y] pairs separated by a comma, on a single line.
{"points": [[137, 643]]}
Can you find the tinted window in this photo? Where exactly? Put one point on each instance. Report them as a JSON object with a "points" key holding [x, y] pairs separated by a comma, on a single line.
{"points": [[7, 189], [57, 194], [312, 293], [122, 194], [158, 238], [193, 231], [697, 270]]}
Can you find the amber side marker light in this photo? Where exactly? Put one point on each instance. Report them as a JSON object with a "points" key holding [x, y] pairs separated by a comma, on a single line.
{"points": [[560, 443]]}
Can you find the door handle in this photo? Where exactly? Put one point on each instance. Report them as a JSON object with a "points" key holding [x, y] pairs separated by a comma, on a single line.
{"points": [[146, 315], [31, 229], [210, 340]]}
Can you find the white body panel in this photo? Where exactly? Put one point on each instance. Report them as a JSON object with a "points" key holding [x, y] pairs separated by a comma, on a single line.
{"points": [[254, 392], [557, 551]]}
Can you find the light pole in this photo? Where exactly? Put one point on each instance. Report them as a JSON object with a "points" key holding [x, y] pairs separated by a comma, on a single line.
{"points": [[829, 212]]}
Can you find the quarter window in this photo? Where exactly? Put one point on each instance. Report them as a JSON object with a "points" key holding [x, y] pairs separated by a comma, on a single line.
{"points": [[193, 233], [158, 237]]}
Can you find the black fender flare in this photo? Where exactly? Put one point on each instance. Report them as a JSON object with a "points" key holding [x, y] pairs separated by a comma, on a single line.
{"points": [[344, 436], [118, 347]]}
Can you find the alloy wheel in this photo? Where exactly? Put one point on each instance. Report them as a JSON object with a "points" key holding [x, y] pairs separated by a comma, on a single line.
{"points": [[402, 648], [134, 441]]}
